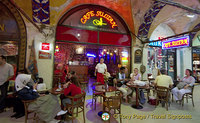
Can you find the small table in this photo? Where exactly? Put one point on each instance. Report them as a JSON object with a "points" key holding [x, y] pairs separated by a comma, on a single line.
{"points": [[137, 105], [102, 88], [55, 92]]}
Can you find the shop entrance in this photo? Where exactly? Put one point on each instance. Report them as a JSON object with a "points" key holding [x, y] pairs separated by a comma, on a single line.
{"points": [[87, 33]]}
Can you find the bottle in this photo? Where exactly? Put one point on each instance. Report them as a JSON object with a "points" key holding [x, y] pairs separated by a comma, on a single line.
{"points": [[59, 85]]}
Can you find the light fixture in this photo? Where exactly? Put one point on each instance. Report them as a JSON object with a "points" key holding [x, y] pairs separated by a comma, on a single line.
{"points": [[190, 15], [79, 50], [78, 34]]}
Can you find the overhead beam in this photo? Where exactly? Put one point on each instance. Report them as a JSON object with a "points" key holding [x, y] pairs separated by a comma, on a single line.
{"points": [[172, 3], [194, 30]]}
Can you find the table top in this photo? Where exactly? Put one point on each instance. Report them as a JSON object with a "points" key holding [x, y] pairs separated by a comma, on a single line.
{"points": [[56, 91], [137, 86], [101, 88]]}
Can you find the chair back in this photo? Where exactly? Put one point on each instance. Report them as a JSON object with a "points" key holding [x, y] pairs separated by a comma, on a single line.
{"points": [[114, 102], [162, 92], [77, 100]]}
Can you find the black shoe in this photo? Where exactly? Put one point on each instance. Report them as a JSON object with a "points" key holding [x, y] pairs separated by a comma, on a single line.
{"points": [[14, 115], [18, 116], [70, 114]]}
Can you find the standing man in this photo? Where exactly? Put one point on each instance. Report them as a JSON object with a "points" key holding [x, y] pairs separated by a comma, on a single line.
{"points": [[6, 73], [100, 70]]}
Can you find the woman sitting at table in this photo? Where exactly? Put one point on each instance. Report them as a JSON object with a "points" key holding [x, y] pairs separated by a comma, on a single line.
{"points": [[136, 76], [70, 89], [26, 90], [187, 82], [120, 82]]}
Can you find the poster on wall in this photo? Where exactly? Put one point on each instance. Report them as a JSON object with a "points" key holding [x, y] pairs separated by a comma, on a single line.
{"points": [[138, 56], [44, 55]]}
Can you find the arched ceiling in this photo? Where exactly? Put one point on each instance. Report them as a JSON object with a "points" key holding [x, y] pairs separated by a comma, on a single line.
{"points": [[174, 17], [177, 18]]}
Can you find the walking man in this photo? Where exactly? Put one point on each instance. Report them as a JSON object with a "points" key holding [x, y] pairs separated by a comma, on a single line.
{"points": [[6, 73]]}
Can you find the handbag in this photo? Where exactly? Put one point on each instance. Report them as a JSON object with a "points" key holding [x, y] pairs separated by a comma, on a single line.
{"points": [[180, 85]]}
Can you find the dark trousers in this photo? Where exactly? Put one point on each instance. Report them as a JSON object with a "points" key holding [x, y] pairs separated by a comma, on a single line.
{"points": [[18, 106], [4, 90]]}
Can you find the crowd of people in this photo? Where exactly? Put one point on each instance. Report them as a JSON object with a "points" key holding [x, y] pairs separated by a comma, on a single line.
{"points": [[26, 89]]}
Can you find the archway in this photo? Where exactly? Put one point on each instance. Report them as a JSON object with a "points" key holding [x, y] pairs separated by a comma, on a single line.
{"points": [[87, 33]]}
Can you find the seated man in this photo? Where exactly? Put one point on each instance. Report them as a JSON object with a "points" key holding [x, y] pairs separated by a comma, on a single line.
{"points": [[163, 80], [26, 90], [121, 81], [70, 89]]}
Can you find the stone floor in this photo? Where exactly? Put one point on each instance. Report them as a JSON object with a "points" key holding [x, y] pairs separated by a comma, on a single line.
{"points": [[148, 114]]}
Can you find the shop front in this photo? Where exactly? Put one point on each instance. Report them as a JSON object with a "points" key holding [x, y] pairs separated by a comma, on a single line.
{"points": [[87, 33], [174, 56], [196, 57]]}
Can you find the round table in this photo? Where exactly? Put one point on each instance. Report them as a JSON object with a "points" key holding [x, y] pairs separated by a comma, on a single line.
{"points": [[103, 88], [137, 105]]}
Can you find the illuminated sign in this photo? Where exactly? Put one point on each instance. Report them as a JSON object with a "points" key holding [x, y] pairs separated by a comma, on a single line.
{"points": [[2, 27], [158, 43], [96, 22], [45, 46], [176, 43]]}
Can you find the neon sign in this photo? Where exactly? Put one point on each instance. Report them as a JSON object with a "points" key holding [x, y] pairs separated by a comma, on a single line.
{"points": [[176, 43], [158, 43], [96, 22]]}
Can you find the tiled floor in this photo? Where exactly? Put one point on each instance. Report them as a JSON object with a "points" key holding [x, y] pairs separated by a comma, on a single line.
{"points": [[148, 113]]}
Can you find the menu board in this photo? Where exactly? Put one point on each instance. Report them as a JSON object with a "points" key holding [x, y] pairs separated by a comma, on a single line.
{"points": [[138, 56]]}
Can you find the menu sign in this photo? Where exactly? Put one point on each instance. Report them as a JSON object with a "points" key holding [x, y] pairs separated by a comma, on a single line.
{"points": [[138, 56], [44, 55]]}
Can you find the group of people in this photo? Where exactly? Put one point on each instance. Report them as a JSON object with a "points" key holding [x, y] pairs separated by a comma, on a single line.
{"points": [[184, 85]]}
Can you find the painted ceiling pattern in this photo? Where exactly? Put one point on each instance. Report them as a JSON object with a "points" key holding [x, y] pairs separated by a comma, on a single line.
{"points": [[141, 16]]}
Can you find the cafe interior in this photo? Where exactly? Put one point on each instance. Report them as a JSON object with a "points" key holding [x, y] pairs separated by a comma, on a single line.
{"points": [[139, 41]]}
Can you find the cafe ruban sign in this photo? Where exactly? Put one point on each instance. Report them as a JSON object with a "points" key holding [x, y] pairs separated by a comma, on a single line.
{"points": [[100, 16], [176, 43]]}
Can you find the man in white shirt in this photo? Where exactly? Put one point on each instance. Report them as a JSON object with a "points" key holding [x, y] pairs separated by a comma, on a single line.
{"points": [[6, 73], [100, 70]]}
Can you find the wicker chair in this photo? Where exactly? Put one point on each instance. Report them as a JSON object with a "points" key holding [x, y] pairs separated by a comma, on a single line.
{"points": [[96, 94], [78, 102], [27, 112], [188, 95], [113, 103], [162, 95]]}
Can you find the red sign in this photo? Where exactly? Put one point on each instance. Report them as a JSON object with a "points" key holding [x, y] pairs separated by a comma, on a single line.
{"points": [[96, 22], [45, 46], [44, 55]]}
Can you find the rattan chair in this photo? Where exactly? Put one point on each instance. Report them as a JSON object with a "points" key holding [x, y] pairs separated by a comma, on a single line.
{"points": [[187, 96], [27, 112], [113, 103], [96, 94], [78, 102], [162, 94]]}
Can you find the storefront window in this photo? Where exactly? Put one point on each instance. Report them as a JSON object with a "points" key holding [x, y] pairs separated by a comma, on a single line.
{"points": [[82, 58], [196, 63]]}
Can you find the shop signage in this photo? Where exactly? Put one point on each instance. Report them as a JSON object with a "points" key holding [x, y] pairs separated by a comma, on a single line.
{"points": [[158, 43], [44, 55], [2, 27], [138, 56], [45, 46], [176, 43], [99, 22]]}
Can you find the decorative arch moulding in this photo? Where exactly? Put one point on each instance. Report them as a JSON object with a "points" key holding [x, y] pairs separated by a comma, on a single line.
{"points": [[22, 34]]}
